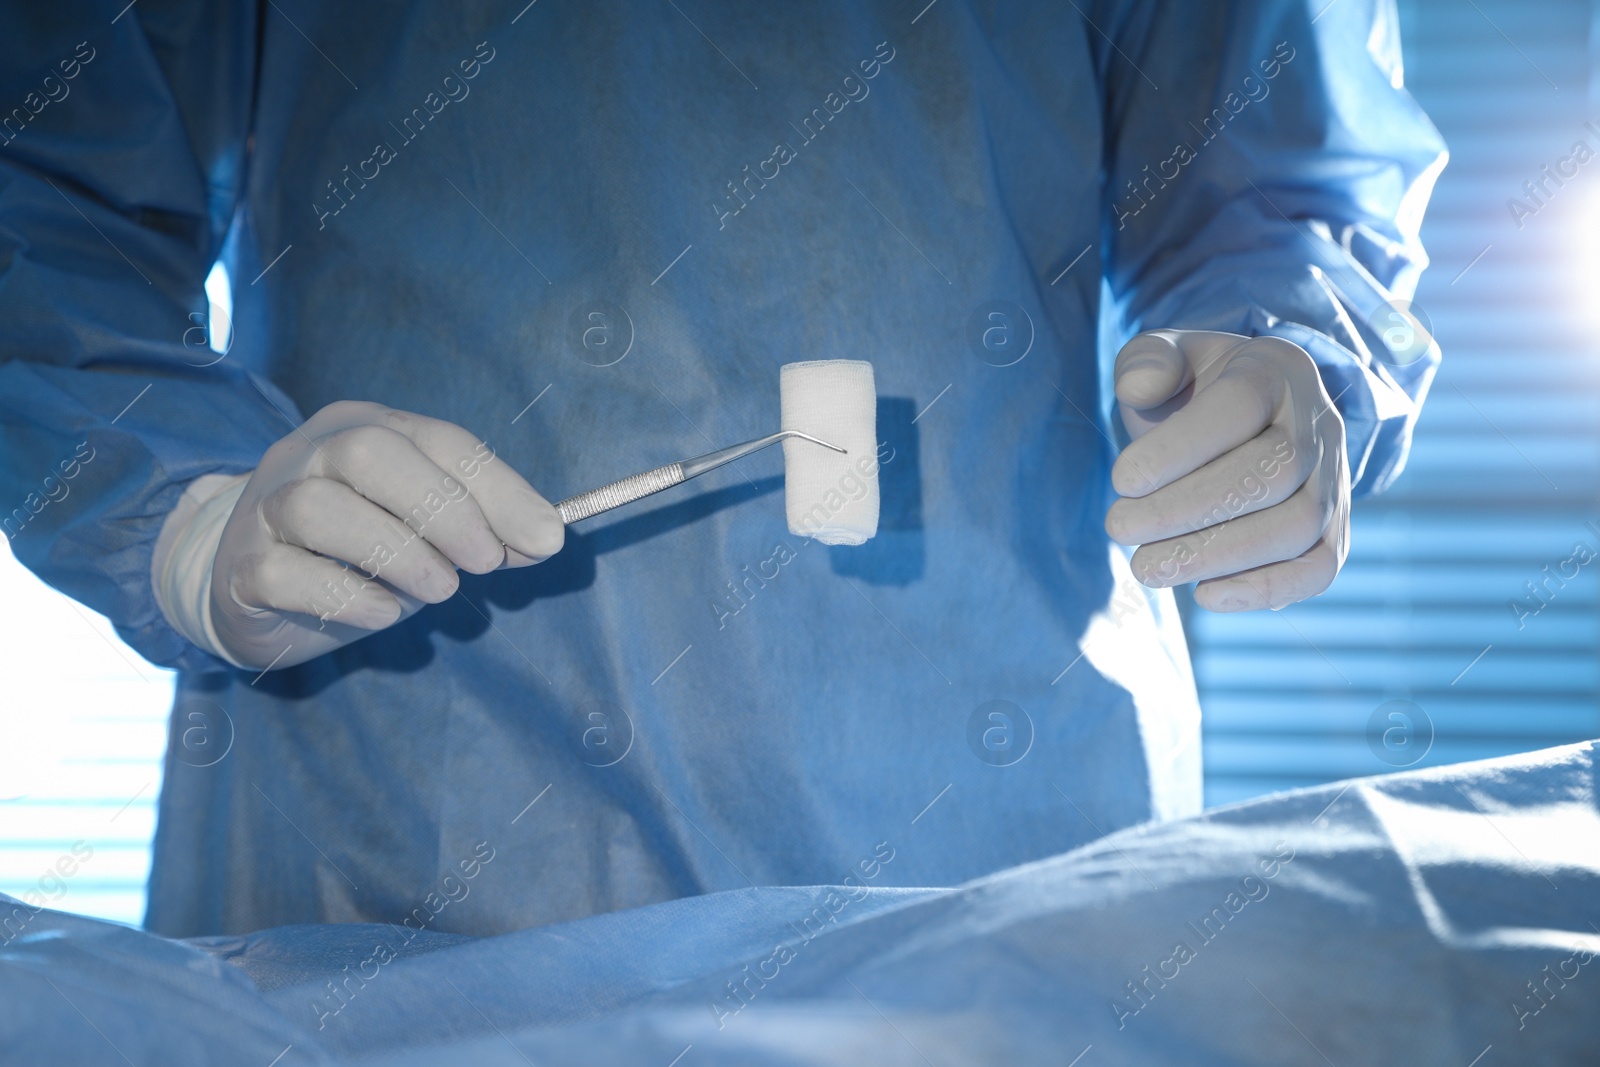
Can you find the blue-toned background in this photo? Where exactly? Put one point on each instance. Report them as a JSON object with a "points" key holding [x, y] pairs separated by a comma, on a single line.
{"points": [[1415, 657], [1503, 476]]}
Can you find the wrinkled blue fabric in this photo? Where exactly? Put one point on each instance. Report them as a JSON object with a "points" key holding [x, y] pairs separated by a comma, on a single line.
{"points": [[427, 207], [1426, 918]]}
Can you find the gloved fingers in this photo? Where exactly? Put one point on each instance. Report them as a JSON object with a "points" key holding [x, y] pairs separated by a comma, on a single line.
{"points": [[333, 520], [1159, 371], [1258, 474], [290, 578], [1277, 533], [1150, 370], [526, 523], [384, 466], [1242, 400], [1277, 585]]}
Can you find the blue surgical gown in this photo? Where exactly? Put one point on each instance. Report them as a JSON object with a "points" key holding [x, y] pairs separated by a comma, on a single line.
{"points": [[592, 234]]}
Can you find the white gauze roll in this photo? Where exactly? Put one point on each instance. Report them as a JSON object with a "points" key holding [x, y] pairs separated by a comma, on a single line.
{"points": [[830, 496]]}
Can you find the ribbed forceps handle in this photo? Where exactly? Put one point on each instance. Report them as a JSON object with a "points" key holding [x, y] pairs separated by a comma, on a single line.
{"points": [[627, 490], [618, 493]]}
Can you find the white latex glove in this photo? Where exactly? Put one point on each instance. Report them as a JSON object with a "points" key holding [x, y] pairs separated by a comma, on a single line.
{"points": [[1236, 477], [403, 499]]}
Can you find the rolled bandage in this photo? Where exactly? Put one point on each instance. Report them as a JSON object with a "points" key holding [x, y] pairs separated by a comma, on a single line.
{"points": [[830, 496]]}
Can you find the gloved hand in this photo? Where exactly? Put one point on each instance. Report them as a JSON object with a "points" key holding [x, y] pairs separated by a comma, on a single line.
{"points": [[1236, 476], [402, 499]]}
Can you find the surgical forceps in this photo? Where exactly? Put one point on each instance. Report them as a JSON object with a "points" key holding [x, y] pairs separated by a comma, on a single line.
{"points": [[637, 486]]}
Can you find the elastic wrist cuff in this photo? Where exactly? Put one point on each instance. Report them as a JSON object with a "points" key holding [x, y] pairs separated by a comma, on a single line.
{"points": [[185, 552]]}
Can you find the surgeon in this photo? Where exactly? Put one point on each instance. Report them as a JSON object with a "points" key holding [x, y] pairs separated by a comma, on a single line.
{"points": [[487, 255]]}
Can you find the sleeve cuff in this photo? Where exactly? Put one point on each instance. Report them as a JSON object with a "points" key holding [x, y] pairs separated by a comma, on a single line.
{"points": [[1378, 392], [181, 564]]}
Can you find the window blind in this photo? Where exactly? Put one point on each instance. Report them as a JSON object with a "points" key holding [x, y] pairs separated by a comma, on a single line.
{"points": [[1417, 655]]}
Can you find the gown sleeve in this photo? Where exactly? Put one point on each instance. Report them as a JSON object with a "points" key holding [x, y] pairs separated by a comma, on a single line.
{"points": [[122, 163], [1266, 174]]}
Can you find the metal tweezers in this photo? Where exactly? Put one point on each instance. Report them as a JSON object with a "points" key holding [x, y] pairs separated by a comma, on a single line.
{"points": [[637, 486]]}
